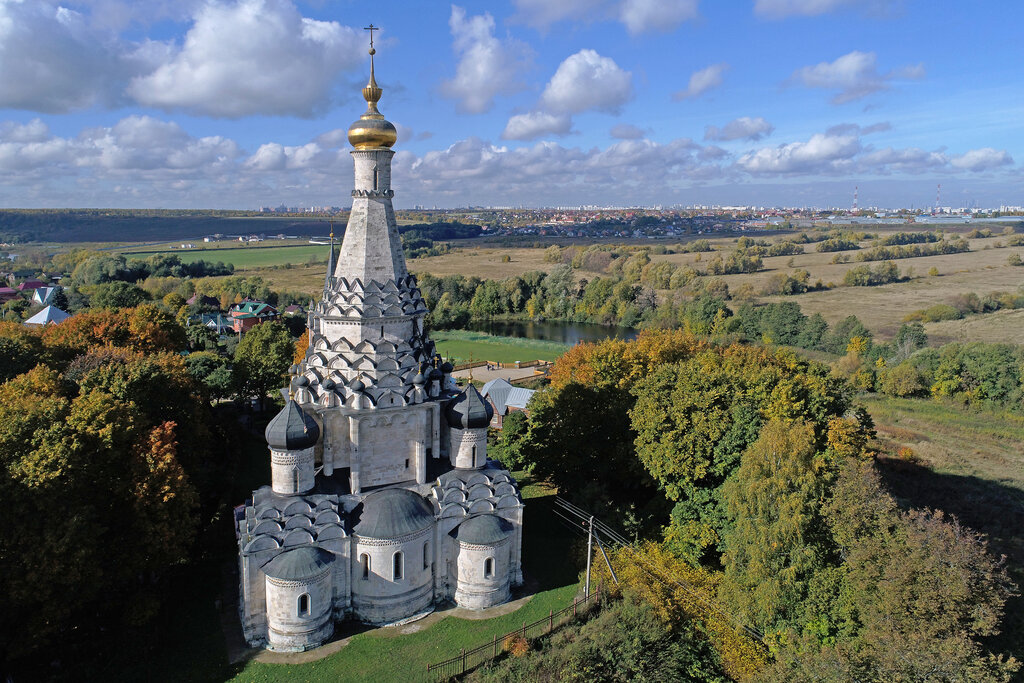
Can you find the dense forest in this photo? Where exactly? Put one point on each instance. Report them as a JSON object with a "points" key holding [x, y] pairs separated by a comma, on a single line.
{"points": [[750, 472]]}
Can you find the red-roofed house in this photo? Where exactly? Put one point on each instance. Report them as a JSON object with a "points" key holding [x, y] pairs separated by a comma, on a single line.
{"points": [[31, 285], [8, 294], [249, 314]]}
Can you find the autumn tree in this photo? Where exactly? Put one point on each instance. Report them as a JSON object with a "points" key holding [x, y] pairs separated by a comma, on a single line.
{"points": [[103, 506], [775, 539]]}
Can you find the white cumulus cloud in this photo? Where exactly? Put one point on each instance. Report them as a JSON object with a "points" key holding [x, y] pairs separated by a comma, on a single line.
{"points": [[854, 75], [585, 81], [641, 16], [52, 61], [702, 81], [983, 159], [253, 57], [743, 128], [536, 124], [487, 66], [823, 153]]}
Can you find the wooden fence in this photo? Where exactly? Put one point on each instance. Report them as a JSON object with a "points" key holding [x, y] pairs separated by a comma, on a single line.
{"points": [[468, 660]]}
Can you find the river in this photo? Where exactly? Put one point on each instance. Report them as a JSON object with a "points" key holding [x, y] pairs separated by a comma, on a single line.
{"points": [[553, 330]]}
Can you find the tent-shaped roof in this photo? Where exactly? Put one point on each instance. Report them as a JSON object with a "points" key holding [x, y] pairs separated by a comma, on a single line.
{"points": [[42, 295], [50, 314], [504, 396]]}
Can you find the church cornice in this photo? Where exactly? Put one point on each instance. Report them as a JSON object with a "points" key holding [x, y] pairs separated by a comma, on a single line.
{"points": [[373, 194]]}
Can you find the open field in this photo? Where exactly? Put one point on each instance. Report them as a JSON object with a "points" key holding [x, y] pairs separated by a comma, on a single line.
{"points": [[1000, 326], [461, 345]]}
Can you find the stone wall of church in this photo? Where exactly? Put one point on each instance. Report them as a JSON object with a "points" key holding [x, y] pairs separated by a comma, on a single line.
{"points": [[468, 448], [392, 579], [485, 574], [291, 472], [392, 445], [299, 612]]}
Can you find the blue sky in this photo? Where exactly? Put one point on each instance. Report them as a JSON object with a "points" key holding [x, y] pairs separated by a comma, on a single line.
{"points": [[243, 103]]}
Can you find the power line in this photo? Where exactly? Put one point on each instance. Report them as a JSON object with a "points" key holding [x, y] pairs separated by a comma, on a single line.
{"points": [[620, 541]]}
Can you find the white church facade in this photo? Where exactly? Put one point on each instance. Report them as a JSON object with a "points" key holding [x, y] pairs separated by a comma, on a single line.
{"points": [[383, 502]]}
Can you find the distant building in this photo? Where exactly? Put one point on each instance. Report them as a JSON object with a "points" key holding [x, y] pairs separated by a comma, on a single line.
{"points": [[505, 399], [218, 322], [44, 295], [249, 314], [31, 285], [51, 315], [8, 294]]}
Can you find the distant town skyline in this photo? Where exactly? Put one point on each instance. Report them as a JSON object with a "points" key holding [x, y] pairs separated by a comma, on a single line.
{"points": [[245, 103]]}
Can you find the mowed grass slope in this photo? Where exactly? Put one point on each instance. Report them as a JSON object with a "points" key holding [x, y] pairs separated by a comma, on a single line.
{"points": [[461, 345]]}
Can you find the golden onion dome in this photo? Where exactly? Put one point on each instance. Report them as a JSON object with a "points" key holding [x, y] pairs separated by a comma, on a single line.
{"points": [[372, 130]]}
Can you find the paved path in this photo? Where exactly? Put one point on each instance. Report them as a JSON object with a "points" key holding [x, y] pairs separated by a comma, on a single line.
{"points": [[482, 374], [405, 628]]}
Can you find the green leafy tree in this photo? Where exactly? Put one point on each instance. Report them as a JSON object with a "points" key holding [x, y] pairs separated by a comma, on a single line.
{"points": [[509, 445], [261, 360], [775, 539], [116, 295]]}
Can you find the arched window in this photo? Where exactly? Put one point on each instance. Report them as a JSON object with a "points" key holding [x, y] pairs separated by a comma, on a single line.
{"points": [[295, 478], [397, 569], [364, 562], [489, 568], [304, 605], [426, 555], [474, 456]]}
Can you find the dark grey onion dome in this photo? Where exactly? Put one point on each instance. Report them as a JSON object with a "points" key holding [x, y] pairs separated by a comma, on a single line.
{"points": [[292, 429], [482, 530], [300, 381], [328, 384], [392, 513], [357, 385], [469, 410], [447, 368], [298, 564], [435, 374], [418, 379]]}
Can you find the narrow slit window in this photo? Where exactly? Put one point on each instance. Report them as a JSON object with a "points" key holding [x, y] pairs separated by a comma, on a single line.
{"points": [[304, 605], [364, 563], [397, 570], [426, 555], [489, 568]]}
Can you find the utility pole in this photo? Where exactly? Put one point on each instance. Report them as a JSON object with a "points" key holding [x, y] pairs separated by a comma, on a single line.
{"points": [[590, 547]]}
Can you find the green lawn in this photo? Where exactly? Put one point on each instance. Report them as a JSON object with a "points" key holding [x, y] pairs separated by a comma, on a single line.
{"points": [[461, 344]]}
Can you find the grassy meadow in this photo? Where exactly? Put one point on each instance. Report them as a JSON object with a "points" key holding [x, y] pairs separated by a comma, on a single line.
{"points": [[982, 270], [461, 345]]}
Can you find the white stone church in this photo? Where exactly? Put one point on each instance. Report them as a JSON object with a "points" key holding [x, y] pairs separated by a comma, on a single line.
{"points": [[383, 502]]}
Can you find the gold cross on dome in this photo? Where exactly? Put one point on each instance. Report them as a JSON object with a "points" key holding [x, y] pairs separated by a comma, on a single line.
{"points": [[371, 28]]}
